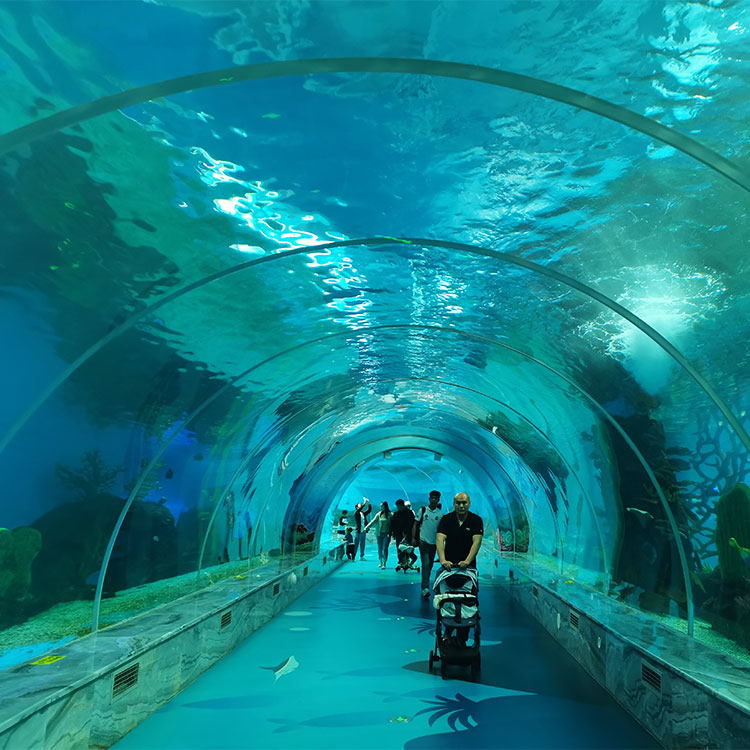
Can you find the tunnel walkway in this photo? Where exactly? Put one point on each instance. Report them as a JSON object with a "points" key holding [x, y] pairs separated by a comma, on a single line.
{"points": [[346, 666]]}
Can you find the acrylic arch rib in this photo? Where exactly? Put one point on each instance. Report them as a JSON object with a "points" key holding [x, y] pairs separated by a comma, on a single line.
{"points": [[407, 66]]}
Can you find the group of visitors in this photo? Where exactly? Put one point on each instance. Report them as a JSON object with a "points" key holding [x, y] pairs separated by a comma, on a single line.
{"points": [[454, 537]]}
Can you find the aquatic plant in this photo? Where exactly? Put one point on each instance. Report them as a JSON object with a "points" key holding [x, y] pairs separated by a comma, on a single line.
{"points": [[529, 445], [733, 523], [506, 540], [18, 549], [718, 456], [522, 539], [93, 477]]}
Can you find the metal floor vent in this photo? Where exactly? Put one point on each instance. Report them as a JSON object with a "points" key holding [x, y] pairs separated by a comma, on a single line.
{"points": [[651, 677], [325, 560], [276, 588], [305, 571], [535, 591], [226, 619], [573, 617], [125, 680]]}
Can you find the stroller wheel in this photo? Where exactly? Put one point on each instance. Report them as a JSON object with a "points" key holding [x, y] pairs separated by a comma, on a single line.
{"points": [[443, 670], [474, 670]]}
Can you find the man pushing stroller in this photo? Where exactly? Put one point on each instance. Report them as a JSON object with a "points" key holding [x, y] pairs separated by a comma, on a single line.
{"points": [[459, 535]]}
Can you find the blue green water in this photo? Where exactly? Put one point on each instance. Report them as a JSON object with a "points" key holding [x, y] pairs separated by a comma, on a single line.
{"points": [[541, 297]]}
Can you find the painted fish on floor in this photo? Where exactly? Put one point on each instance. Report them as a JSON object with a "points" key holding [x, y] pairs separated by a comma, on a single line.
{"points": [[286, 667]]}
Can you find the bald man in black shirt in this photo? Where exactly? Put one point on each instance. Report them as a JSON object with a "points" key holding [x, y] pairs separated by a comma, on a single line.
{"points": [[459, 535]]}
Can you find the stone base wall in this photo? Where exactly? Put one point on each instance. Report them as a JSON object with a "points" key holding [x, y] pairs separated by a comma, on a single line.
{"points": [[107, 683], [685, 693]]}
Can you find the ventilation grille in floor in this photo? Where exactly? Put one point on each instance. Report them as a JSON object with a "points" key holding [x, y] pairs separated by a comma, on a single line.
{"points": [[226, 619], [651, 677], [276, 588], [125, 680], [305, 571], [573, 617], [535, 591]]}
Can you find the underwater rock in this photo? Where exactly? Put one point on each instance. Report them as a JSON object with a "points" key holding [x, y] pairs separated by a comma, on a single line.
{"points": [[18, 548], [27, 543], [303, 539], [75, 539], [6, 548]]}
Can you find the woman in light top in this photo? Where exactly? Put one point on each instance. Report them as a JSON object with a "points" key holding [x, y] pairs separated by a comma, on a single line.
{"points": [[382, 522]]}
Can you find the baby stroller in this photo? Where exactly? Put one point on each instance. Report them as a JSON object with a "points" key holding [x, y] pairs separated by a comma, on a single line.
{"points": [[457, 605], [406, 557]]}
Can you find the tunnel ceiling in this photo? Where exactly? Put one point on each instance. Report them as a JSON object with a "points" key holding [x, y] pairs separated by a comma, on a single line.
{"points": [[283, 274]]}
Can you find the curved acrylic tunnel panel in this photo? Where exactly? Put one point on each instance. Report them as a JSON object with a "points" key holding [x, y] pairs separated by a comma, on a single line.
{"points": [[197, 384]]}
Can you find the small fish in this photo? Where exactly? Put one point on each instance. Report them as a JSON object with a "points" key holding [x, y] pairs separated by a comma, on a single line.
{"points": [[638, 510], [643, 516], [169, 474], [286, 667], [744, 551], [270, 116], [156, 538]]}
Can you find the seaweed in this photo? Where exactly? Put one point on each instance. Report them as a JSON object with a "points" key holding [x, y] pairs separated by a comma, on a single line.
{"points": [[93, 477], [733, 532]]}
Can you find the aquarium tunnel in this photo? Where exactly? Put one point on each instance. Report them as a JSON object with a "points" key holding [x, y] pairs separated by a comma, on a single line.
{"points": [[260, 260]]}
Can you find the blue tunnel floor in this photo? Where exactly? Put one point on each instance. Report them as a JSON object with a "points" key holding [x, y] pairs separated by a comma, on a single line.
{"points": [[351, 670]]}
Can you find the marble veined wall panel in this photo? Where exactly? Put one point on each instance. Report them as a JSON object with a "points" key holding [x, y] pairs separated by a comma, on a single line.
{"points": [[61, 725]]}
